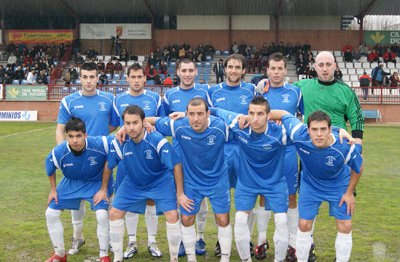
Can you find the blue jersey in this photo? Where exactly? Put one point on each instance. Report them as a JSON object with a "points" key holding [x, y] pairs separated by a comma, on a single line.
{"points": [[261, 156], [324, 169], [86, 167], [149, 101], [176, 99], [232, 98], [202, 154], [96, 111], [286, 97], [149, 164]]}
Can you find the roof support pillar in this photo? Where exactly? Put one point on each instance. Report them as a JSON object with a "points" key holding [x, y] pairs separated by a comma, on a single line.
{"points": [[74, 15], [151, 13], [229, 4], [360, 19], [277, 15]]}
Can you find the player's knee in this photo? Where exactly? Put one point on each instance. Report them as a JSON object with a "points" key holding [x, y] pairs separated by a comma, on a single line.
{"points": [[292, 201], [151, 202], [222, 219], [305, 225], [188, 221], [262, 201], [102, 217], [344, 226], [52, 213], [116, 214], [171, 216], [280, 219]]}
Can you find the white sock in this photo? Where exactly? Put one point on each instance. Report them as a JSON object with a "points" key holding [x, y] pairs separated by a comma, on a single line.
{"points": [[131, 220], [263, 217], [103, 231], [174, 239], [293, 224], [151, 222], [56, 231], [189, 241], [77, 220], [225, 241], [117, 232], [242, 235], [303, 245], [281, 236], [343, 246], [201, 219], [251, 220]]}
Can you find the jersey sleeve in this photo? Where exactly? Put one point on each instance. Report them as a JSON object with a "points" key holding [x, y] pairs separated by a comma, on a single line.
{"points": [[167, 154], [114, 118], [300, 104], [295, 130], [160, 109], [165, 105], [225, 115], [64, 114], [51, 163], [354, 114], [115, 154], [165, 126], [354, 158]]}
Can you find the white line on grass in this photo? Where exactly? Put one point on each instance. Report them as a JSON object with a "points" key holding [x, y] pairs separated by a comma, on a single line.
{"points": [[27, 132]]}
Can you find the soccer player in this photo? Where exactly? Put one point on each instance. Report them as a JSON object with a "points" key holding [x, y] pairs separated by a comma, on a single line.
{"points": [[151, 165], [150, 102], [93, 107], [281, 95], [206, 136], [81, 160], [233, 95], [176, 100], [330, 173]]}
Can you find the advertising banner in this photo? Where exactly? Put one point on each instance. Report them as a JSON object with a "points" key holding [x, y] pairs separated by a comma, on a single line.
{"points": [[106, 31], [40, 36], [382, 37], [26, 92], [18, 115]]}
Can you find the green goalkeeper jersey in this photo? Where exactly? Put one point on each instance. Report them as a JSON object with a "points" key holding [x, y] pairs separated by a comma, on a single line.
{"points": [[336, 99]]}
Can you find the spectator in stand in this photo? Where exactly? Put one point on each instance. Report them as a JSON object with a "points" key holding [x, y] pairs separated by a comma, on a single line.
{"points": [[7, 79], [12, 60], [209, 49], [152, 59], [79, 60], [118, 45], [163, 68], [302, 71], [378, 75], [338, 74], [41, 79], [168, 80], [306, 46], [394, 81], [242, 48], [103, 79], [51, 69], [373, 56], [356, 55], [158, 54], [21, 60], [363, 49], [389, 56], [176, 81], [174, 55], [365, 82], [124, 56], [67, 78], [166, 54], [182, 52], [264, 49], [41, 53], [10, 71], [299, 60], [288, 51], [251, 49], [219, 71], [312, 63], [2, 71], [200, 48], [73, 73], [75, 45], [190, 54], [271, 48], [110, 67], [395, 49], [186, 46], [378, 49], [348, 56], [151, 74], [312, 73], [198, 57], [28, 59], [31, 78], [234, 48], [19, 74], [101, 66], [42, 65], [346, 47], [118, 67], [91, 53]]}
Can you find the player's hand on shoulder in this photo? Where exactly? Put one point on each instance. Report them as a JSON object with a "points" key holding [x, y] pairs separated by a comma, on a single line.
{"points": [[149, 127], [185, 202], [278, 122], [121, 135], [244, 121], [52, 195], [100, 196], [344, 134], [177, 115]]}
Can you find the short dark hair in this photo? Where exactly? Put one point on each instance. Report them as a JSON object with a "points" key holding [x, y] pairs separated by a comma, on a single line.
{"points": [[133, 110], [319, 116], [75, 124], [185, 60], [135, 67], [237, 57], [196, 102], [259, 100], [277, 57], [89, 67]]}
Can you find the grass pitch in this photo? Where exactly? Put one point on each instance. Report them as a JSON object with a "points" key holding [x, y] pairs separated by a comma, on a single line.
{"points": [[24, 189]]}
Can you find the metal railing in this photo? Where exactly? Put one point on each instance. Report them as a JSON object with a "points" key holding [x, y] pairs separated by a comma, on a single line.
{"points": [[256, 65], [378, 95]]}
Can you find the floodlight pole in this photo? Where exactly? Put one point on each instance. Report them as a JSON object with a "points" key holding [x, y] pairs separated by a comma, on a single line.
{"points": [[74, 15], [3, 31], [151, 13], [277, 15], [229, 4]]}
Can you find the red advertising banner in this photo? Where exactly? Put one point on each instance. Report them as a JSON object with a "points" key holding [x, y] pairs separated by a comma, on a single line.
{"points": [[40, 36]]}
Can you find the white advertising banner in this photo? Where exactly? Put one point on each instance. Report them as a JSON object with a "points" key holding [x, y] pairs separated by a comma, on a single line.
{"points": [[1, 91], [18, 115], [106, 31]]}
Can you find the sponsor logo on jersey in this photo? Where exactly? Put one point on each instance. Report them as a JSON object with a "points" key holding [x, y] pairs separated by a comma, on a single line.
{"points": [[267, 146], [103, 106], [148, 154], [92, 160], [285, 98], [68, 164], [243, 100], [304, 151], [78, 106], [186, 137], [128, 153], [220, 99], [244, 140], [123, 105], [330, 160], [165, 151], [176, 101], [211, 140], [146, 105]]}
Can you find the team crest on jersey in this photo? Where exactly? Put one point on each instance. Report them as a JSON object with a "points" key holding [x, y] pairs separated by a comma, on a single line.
{"points": [[243, 100], [267, 146], [330, 160], [103, 106], [146, 105], [211, 140], [285, 98], [148, 154], [92, 160]]}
